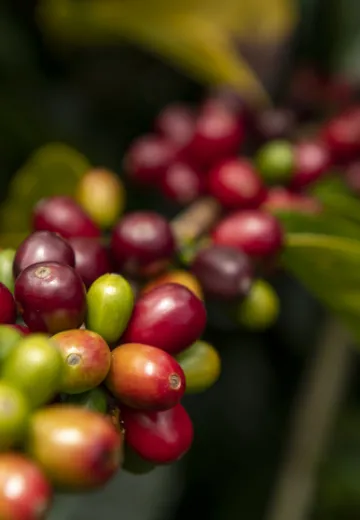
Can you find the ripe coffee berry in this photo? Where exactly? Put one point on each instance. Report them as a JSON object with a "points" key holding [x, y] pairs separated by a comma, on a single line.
{"points": [[25, 493], [311, 161], [169, 317], [86, 360], [342, 136], [43, 246], [148, 159], [256, 233], [182, 183], [7, 306], [176, 123], [91, 258], [51, 297], [218, 134], [62, 215], [158, 437], [145, 377], [141, 240], [236, 184], [78, 449], [224, 272]]}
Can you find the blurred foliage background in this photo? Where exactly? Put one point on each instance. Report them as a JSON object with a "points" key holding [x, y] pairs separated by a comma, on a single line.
{"points": [[67, 77]]}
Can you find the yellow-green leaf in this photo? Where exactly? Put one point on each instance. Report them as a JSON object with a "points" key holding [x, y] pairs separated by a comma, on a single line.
{"points": [[197, 35], [325, 223], [330, 269]]}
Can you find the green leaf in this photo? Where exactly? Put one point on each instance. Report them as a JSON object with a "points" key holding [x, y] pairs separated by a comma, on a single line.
{"points": [[341, 204], [329, 267], [197, 35], [337, 198], [325, 223]]}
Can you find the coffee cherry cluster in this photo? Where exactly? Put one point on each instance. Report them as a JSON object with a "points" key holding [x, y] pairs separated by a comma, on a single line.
{"points": [[252, 165], [101, 315], [92, 373]]}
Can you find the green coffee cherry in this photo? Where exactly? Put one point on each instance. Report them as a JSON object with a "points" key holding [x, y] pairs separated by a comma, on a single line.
{"points": [[14, 414], [275, 162], [202, 366], [6, 268], [35, 367], [260, 309], [9, 338], [110, 302]]}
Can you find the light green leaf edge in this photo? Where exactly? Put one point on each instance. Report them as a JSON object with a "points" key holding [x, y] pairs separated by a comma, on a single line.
{"points": [[329, 267]]}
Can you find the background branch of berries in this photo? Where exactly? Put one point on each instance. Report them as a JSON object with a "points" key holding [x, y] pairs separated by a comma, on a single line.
{"points": [[103, 311]]}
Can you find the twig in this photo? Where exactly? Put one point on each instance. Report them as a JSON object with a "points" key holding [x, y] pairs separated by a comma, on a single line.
{"points": [[196, 220], [319, 399]]}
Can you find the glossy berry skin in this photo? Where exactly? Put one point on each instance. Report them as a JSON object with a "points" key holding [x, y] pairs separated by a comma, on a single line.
{"points": [[260, 309], [218, 135], [101, 194], [51, 297], [342, 136], [158, 437], [25, 493], [311, 161], [43, 246], [224, 272], [281, 199], [110, 301], [176, 123], [169, 317], [64, 216], [202, 366], [145, 377], [7, 306], [236, 184], [256, 233], [35, 367], [91, 258], [86, 360], [141, 240], [78, 449], [182, 183], [148, 159]]}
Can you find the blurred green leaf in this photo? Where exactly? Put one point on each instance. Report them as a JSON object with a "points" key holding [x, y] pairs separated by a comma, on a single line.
{"points": [[341, 204], [197, 35], [325, 223], [329, 267]]}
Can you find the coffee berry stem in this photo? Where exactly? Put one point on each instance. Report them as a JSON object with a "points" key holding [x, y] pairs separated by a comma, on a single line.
{"points": [[196, 220], [315, 410]]}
